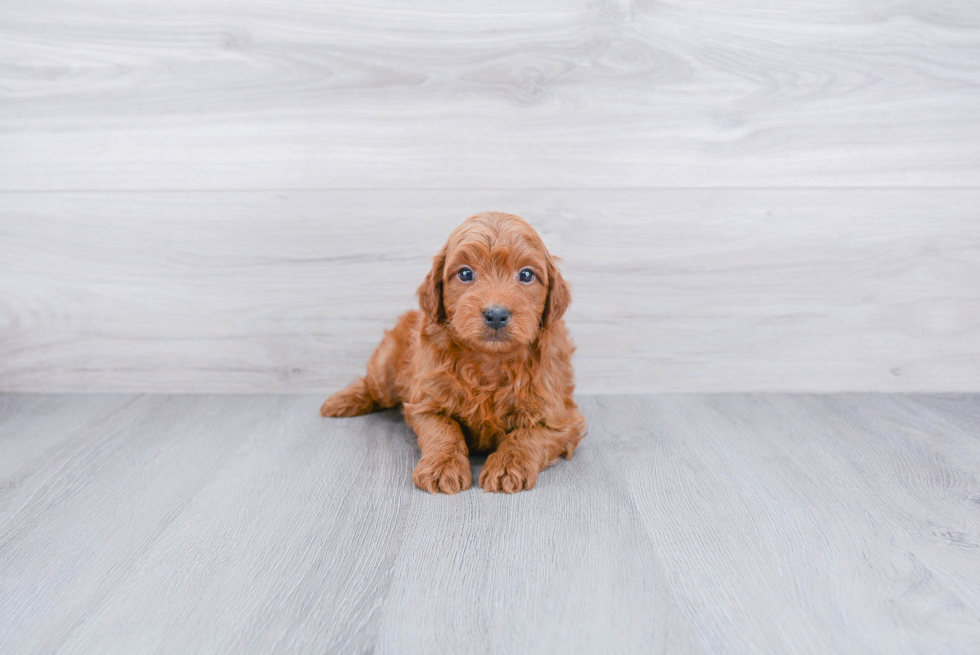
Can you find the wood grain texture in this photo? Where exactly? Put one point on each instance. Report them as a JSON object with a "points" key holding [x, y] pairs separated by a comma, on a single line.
{"points": [[149, 239], [674, 290], [685, 524], [769, 520], [253, 94]]}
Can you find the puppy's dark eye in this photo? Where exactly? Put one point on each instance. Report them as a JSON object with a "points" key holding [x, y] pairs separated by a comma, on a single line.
{"points": [[526, 275], [465, 275]]}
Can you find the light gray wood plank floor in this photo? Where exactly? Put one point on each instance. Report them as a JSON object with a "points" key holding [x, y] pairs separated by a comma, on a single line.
{"points": [[685, 524]]}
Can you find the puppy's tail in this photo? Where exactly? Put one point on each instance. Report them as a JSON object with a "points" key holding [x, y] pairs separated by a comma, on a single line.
{"points": [[353, 400]]}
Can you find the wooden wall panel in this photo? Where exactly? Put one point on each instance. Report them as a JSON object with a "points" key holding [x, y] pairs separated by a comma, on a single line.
{"points": [[238, 195], [214, 94], [712, 290]]}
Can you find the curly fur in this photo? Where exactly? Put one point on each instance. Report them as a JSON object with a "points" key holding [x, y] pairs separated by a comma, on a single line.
{"points": [[464, 386]]}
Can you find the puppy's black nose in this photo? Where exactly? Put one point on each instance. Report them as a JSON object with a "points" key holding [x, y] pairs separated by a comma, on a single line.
{"points": [[496, 317]]}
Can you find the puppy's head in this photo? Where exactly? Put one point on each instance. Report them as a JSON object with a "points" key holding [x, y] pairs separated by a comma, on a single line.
{"points": [[494, 285]]}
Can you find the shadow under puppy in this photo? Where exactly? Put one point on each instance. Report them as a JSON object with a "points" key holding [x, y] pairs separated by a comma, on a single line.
{"points": [[484, 366]]}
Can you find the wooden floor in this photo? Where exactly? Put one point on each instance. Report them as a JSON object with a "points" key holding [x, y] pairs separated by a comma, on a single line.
{"points": [[685, 524]]}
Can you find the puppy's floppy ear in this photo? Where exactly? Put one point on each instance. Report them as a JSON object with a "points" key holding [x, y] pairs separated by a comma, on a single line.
{"points": [[430, 291], [559, 296]]}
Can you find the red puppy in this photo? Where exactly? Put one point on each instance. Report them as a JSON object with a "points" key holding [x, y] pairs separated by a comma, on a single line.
{"points": [[485, 366]]}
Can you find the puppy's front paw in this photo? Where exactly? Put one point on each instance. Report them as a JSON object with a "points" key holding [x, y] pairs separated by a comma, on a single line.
{"points": [[448, 474], [508, 471]]}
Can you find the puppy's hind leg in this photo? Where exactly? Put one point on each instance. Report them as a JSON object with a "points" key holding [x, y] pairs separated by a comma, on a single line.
{"points": [[353, 400], [377, 390]]}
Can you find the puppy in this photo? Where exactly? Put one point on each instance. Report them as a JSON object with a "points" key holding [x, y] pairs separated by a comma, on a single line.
{"points": [[484, 366]]}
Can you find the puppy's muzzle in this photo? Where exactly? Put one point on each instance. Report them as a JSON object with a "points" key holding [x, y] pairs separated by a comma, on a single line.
{"points": [[496, 317]]}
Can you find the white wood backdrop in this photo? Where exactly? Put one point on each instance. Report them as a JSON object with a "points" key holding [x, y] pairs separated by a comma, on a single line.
{"points": [[239, 196]]}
